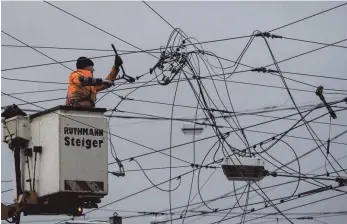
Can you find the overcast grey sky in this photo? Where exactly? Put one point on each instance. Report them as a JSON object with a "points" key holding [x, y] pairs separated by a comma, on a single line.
{"points": [[39, 24]]}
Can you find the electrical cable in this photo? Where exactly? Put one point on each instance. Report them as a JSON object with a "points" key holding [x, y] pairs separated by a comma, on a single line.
{"points": [[253, 210], [84, 21], [7, 190], [288, 163], [317, 76], [73, 48], [284, 82], [230, 81], [178, 178], [307, 52], [211, 119], [312, 42], [52, 63], [164, 149], [237, 202], [308, 17], [170, 207], [194, 161]]}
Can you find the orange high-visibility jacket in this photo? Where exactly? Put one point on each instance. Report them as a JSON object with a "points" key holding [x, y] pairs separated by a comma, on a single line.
{"points": [[81, 93]]}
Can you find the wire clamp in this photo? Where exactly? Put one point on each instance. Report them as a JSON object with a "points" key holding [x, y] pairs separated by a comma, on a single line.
{"points": [[121, 172], [268, 35], [302, 218], [319, 93], [261, 69]]}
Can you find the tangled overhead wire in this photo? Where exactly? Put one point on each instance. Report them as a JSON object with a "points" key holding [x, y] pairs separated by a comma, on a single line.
{"points": [[174, 57]]}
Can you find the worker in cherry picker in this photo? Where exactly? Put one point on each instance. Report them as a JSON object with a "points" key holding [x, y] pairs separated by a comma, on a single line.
{"points": [[83, 87]]}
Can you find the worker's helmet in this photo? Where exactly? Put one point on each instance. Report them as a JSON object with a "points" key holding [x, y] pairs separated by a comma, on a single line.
{"points": [[83, 62]]}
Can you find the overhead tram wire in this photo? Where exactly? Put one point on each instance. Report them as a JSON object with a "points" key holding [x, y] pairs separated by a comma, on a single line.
{"points": [[254, 112], [158, 14], [303, 155], [156, 84], [269, 65], [39, 101], [307, 52], [204, 42], [38, 91], [52, 63], [154, 117], [272, 73], [76, 49], [35, 81], [36, 51], [291, 136], [252, 34], [231, 195], [295, 197], [48, 57], [299, 206], [227, 196], [318, 76], [301, 90], [136, 193], [312, 42], [145, 154], [153, 51], [252, 187], [224, 209], [248, 130], [98, 28], [112, 202], [309, 128], [8, 190], [308, 17]]}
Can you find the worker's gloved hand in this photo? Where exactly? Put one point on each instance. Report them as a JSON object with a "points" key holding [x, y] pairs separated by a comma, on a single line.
{"points": [[108, 83], [118, 62]]}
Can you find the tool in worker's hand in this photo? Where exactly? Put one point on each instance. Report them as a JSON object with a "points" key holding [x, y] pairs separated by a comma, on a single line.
{"points": [[126, 77]]}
